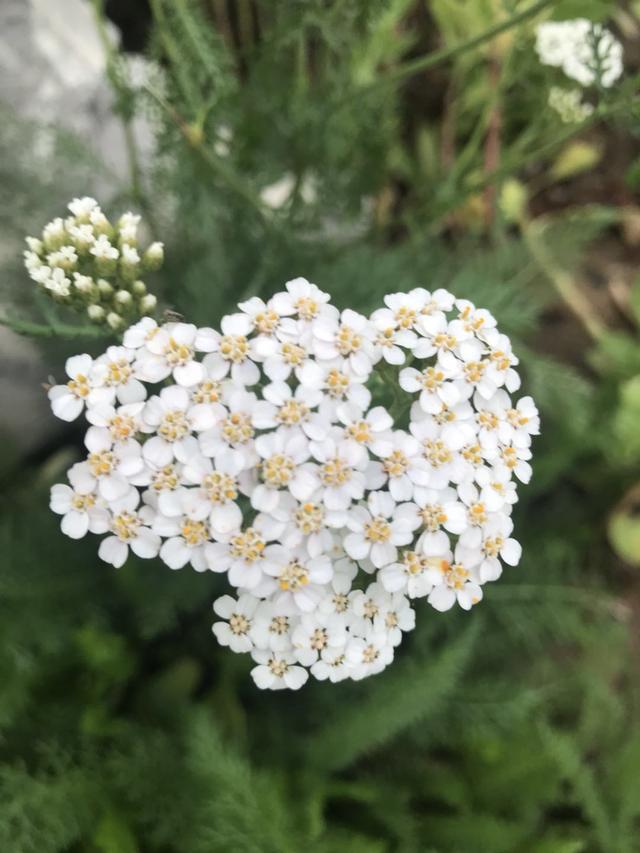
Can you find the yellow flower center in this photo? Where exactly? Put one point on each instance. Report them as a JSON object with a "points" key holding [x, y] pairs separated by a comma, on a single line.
{"points": [[370, 608], [207, 392], [122, 427], [118, 372], [473, 454], [292, 354], [396, 464], [471, 323], [335, 472], [431, 378], [309, 518], [177, 354], [477, 513], [474, 371], [293, 576], [360, 432], [377, 530], [173, 426], [391, 619], [340, 602], [433, 516], [278, 667], [319, 639], [266, 321], [510, 457], [194, 532], [219, 488], [277, 470], [453, 574], [237, 428], [337, 383], [247, 546], [306, 307], [125, 525], [101, 463], [82, 503], [79, 385], [414, 564], [279, 625], [492, 546], [292, 412], [370, 654], [487, 420], [516, 418], [386, 337], [347, 341], [234, 348], [436, 452], [444, 341], [165, 480], [502, 360], [239, 624], [444, 416], [405, 317]]}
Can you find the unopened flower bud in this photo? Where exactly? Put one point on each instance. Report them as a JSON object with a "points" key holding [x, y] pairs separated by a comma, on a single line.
{"points": [[139, 288], [114, 321], [104, 287], [96, 313], [123, 299], [154, 256], [148, 304]]}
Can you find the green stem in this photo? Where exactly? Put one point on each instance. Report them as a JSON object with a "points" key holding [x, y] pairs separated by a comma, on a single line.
{"points": [[194, 137], [52, 330], [563, 282], [422, 63]]}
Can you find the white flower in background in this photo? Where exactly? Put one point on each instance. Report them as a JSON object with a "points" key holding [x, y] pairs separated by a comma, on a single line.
{"points": [[568, 104], [266, 463], [585, 51], [68, 401]]}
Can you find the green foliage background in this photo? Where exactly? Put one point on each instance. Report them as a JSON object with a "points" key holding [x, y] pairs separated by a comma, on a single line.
{"points": [[123, 727]]}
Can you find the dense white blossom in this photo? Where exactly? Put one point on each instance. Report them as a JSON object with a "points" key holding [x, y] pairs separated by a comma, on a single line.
{"points": [[272, 454], [585, 51]]}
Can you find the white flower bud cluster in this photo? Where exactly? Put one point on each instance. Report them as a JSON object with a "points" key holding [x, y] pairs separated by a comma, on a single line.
{"points": [[568, 104], [93, 266], [258, 452], [586, 52]]}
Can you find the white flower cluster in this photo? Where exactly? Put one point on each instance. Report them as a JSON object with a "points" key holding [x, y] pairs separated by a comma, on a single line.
{"points": [[93, 266], [568, 104], [586, 52], [258, 454]]}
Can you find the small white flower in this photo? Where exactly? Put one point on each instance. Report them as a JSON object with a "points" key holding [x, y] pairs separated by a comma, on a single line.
{"points": [[302, 299], [173, 418], [277, 670], [235, 631], [403, 467], [410, 575], [299, 579], [113, 377], [453, 581], [68, 401], [232, 352], [130, 528], [317, 632], [110, 471], [379, 529], [171, 351], [81, 513], [349, 336], [103, 250], [283, 454]]}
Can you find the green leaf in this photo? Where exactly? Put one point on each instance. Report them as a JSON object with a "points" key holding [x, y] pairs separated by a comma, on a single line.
{"points": [[403, 696], [113, 835]]}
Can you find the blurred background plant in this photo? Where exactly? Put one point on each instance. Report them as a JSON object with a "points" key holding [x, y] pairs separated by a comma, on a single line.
{"points": [[371, 146]]}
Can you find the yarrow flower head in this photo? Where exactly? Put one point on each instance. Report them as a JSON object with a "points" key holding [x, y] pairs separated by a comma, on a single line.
{"points": [[586, 52], [265, 452], [93, 266]]}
